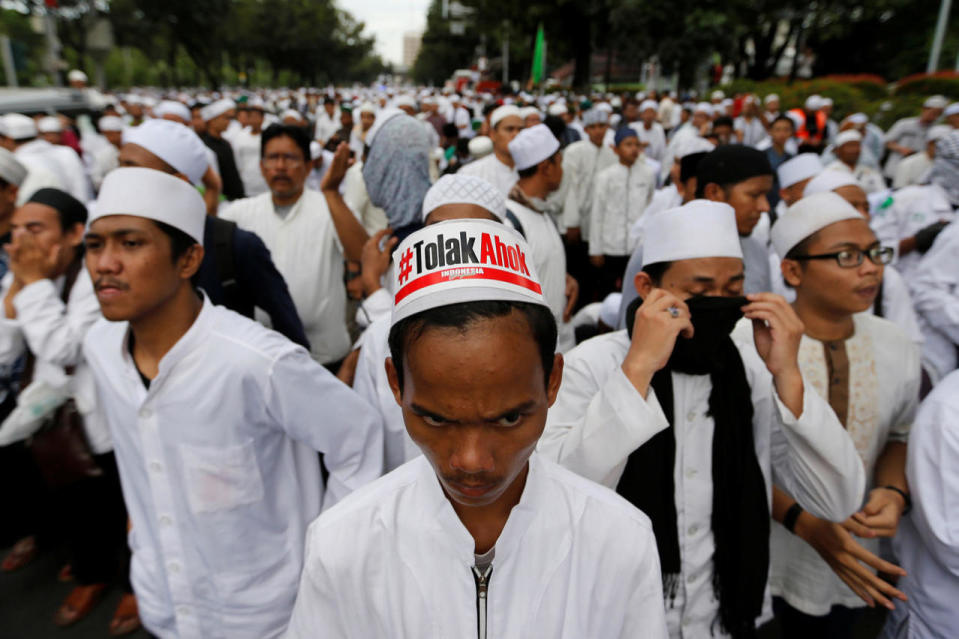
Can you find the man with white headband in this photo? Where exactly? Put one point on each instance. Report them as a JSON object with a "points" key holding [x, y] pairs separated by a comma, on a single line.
{"points": [[693, 426], [480, 536], [794, 174], [498, 168], [868, 371], [214, 420]]}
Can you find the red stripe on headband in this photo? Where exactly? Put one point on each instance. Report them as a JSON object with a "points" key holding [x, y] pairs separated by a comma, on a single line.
{"points": [[469, 273]]}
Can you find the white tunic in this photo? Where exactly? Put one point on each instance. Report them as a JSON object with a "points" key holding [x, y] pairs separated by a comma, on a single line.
{"points": [[357, 199], [620, 197], [913, 208], [63, 162], [39, 176], [599, 419], [308, 253], [654, 137], [581, 162], [573, 561], [753, 130], [927, 543], [883, 396], [493, 171], [246, 151], [911, 169], [869, 179], [935, 293], [219, 467]]}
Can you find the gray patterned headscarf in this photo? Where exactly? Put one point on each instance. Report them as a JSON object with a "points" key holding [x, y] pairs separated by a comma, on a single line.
{"points": [[397, 171], [945, 166]]}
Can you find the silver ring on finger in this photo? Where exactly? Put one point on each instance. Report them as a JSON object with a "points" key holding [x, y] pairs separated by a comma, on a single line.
{"points": [[673, 312]]}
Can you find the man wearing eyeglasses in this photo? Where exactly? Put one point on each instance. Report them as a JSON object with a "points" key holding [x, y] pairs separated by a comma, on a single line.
{"points": [[868, 370], [309, 234]]}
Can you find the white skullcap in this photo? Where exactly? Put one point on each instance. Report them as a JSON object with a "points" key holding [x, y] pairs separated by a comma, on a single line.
{"points": [[525, 112], [813, 103], [858, 118], [935, 102], [772, 97], [111, 123], [807, 216], [176, 109], [77, 76], [462, 261], [316, 150], [829, 180], [154, 195], [595, 116], [404, 101], [174, 143], [11, 170], [503, 112], [292, 113], [256, 103], [938, 132], [50, 124], [796, 118], [699, 228], [717, 95], [614, 103], [826, 102], [216, 109], [480, 146], [648, 104], [847, 136], [692, 144], [797, 169], [609, 309], [367, 107], [18, 127], [703, 107], [606, 107], [464, 189], [952, 109], [533, 145], [728, 102], [557, 108]]}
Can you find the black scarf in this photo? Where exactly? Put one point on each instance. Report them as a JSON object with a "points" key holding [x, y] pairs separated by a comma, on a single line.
{"points": [[740, 517]]}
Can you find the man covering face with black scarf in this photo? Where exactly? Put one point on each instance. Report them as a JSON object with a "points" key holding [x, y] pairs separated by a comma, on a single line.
{"points": [[692, 426]]}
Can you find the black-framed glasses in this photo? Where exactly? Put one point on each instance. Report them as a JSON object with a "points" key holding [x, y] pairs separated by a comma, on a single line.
{"points": [[851, 258]]}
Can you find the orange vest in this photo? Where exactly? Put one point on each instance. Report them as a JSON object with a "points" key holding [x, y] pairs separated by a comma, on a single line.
{"points": [[803, 133]]}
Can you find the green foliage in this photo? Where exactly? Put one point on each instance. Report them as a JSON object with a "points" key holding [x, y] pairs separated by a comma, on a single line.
{"points": [[924, 84]]}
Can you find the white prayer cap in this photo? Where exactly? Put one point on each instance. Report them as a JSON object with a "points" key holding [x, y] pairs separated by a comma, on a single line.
{"points": [[693, 144], [11, 171], [938, 132], [18, 127], [807, 216], [829, 180], [813, 103], [460, 261], [826, 102], [858, 118], [533, 145], [404, 101], [847, 136], [256, 103], [595, 116], [772, 97], [110, 123], [699, 228], [480, 146], [935, 102], [614, 103], [609, 309], [154, 195], [797, 169], [174, 143], [728, 102], [648, 104], [703, 107], [77, 76], [50, 124], [717, 95], [367, 107], [952, 109], [504, 112], [316, 150], [176, 109], [558, 108], [216, 109], [464, 189]]}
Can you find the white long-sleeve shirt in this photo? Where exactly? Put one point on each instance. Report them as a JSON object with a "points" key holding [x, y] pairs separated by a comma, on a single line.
{"points": [[927, 543], [54, 333], [308, 253], [599, 418], [493, 171], [220, 473], [620, 196], [582, 161], [573, 561], [654, 137], [246, 152], [357, 199], [935, 293], [913, 209], [63, 162]]}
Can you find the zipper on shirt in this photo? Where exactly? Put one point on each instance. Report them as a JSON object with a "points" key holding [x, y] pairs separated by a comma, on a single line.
{"points": [[482, 590]]}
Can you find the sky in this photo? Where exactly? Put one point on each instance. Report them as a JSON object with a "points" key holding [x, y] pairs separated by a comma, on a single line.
{"points": [[388, 20]]}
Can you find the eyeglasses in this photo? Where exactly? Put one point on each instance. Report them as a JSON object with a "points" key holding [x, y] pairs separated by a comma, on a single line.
{"points": [[851, 258], [273, 159]]}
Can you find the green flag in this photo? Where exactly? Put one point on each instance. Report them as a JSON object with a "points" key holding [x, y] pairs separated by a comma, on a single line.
{"points": [[539, 53]]}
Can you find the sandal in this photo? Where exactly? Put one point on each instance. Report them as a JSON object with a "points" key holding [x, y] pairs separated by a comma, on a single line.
{"points": [[22, 553], [126, 619]]}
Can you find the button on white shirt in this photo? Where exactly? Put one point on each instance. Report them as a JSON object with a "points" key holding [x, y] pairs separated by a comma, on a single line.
{"points": [[221, 475]]}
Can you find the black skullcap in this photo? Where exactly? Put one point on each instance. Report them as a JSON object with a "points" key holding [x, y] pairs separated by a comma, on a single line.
{"points": [[689, 165], [731, 164], [71, 210]]}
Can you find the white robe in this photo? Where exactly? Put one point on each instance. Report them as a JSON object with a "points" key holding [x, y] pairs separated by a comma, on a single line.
{"points": [[935, 293], [573, 561], [493, 171], [63, 162], [582, 161], [620, 196]]}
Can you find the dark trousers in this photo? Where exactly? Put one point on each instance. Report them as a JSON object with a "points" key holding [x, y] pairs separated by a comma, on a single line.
{"points": [[94, 520], [793, 624], [26, 497], [611, 275]]}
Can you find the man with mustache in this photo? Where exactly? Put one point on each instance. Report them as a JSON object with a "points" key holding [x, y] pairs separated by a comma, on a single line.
{"points": [[693, 426], [479, 536], [216, 423], [868, 371]]}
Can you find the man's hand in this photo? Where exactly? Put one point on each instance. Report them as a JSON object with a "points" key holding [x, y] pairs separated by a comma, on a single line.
{"points": [[846, 558], [375, 262], [30, 262], [777, 331], [597, 260], [347, 372], [880, 516], [573, 235], [655, 330], [572, 294], [341, 162]]}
